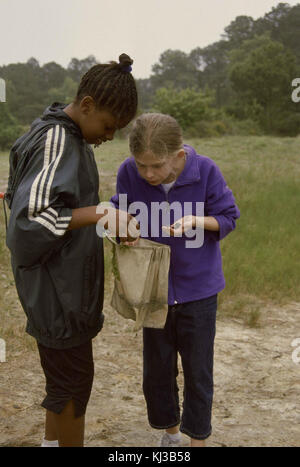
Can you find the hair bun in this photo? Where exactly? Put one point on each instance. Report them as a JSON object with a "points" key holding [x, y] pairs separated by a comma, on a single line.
{"points": [[125, 60], [125, 63]]}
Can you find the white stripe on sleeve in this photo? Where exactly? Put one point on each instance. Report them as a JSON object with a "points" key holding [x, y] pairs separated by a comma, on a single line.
{"points": [[39, 209]]}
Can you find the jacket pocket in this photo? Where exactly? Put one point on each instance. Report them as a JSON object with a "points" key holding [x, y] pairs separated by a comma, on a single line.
{"points": [[39, 302], [26, 283]]}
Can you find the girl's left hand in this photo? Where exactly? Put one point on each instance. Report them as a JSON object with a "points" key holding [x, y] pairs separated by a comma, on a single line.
{"points": [[181, 226]]}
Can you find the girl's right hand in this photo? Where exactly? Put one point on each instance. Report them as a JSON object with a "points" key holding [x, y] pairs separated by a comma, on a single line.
{"points": [[119, 223]]}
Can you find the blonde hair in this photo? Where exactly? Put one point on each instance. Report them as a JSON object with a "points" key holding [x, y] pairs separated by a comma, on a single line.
{"points": [[155, 132]]}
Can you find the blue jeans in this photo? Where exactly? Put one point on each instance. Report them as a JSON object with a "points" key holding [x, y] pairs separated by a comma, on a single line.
{"points": [[190, 331]]}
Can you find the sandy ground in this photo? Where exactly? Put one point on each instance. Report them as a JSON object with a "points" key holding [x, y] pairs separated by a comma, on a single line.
{"points": [[257, 387]]}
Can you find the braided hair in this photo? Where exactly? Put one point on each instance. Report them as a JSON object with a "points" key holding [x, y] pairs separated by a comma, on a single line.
{"points": [[157, 133], [112, 87]]}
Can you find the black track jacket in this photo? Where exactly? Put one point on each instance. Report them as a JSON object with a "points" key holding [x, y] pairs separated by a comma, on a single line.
{"points": [[59, 274]]}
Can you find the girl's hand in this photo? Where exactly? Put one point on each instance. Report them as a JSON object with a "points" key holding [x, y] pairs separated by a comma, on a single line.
{"points": [[118, 223], [127, 226], [183, 225]]}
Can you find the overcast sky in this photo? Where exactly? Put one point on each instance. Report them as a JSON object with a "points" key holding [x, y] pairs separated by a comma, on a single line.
{"points": [[57, 30]]}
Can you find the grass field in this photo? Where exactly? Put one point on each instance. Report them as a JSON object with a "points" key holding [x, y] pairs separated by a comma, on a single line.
{"points": [[261, 258]]}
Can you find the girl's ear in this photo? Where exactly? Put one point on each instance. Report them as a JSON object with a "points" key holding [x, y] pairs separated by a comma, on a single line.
{"points": [[181, 154], [87, 104]]}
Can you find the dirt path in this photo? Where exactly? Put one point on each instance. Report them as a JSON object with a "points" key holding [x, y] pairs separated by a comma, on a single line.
{"points": [[257, 387]]}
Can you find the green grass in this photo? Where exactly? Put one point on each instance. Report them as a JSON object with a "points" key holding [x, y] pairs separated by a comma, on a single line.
{"points": [[261, 258]]}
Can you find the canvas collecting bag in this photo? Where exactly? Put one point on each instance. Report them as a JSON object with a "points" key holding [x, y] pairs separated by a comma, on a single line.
{"points": [[141, 282]]}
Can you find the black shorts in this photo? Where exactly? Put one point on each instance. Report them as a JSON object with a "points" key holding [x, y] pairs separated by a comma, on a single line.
{"points": [[69, 375]]}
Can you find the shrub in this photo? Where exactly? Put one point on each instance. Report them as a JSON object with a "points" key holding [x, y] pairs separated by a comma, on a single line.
{"points": [[287, 124], [222, 126], [10, 130], [187, 106]]}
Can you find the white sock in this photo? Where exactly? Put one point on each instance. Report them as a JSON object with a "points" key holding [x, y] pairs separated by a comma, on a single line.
{"points": [[175, 436], [49, 444]]}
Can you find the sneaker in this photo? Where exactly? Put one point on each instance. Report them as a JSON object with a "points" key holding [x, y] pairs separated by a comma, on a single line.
{"points": [[167, 441]]}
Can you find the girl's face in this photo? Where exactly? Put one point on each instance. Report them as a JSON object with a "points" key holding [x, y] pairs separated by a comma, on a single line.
{"points": [[156, 170], [97, 126]]}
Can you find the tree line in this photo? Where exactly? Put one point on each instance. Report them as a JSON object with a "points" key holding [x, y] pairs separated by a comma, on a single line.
{"points": [[241, 84]]}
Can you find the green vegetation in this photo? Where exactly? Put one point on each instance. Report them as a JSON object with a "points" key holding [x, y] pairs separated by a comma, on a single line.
{"points": [[187, 106], [260, 258], [239, 85]]}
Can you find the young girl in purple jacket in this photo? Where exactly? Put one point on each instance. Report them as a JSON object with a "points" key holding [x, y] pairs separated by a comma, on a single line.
{"points": [[167, 173]]}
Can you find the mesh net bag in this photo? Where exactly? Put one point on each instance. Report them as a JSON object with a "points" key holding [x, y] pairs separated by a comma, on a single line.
{"points": [[141, 282]]}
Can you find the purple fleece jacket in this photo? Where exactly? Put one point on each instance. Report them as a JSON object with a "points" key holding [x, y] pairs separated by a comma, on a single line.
{"points": [[195, 273]]}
